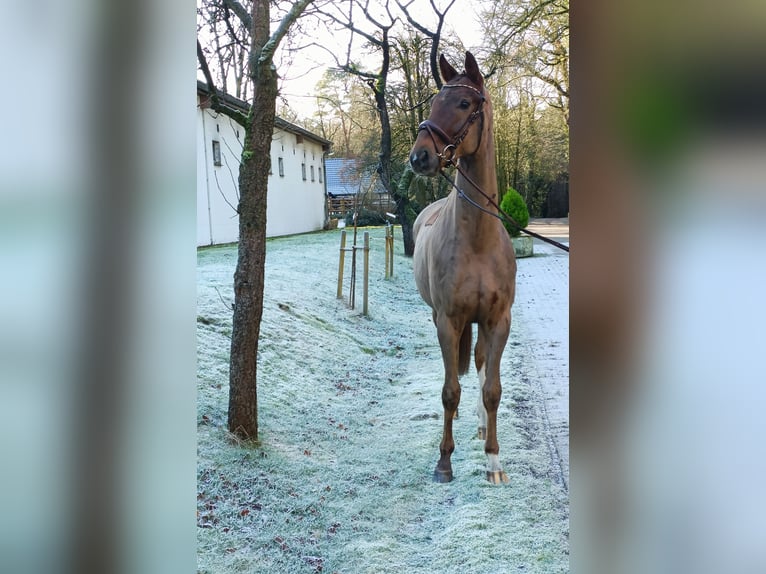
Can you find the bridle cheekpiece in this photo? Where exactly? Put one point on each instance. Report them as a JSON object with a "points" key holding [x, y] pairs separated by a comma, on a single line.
{"points": [[447, 154]]}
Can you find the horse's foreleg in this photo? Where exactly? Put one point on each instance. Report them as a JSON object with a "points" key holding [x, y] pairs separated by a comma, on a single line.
{"points": [[449, 336], [480, 358], [496, 338]]}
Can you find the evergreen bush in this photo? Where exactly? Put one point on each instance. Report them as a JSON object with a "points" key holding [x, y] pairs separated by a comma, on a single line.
{"points": [[365, 218], [515, 206]]}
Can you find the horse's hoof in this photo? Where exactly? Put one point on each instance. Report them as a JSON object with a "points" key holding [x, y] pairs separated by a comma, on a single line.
{"points": [[442, 476], [497, 477], [483, 433]]}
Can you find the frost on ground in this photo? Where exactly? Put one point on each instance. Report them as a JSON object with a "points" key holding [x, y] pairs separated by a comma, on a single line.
{"points": [[350, 423]]}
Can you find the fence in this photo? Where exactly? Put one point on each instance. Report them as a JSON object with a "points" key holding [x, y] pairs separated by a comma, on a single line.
{"points": [[340, 205], [365, 278]]}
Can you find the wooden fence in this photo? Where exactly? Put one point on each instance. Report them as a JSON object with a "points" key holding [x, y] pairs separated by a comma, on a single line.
{"points": [[339, 206]]}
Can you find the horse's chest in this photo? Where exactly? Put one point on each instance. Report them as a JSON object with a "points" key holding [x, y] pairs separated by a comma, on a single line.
{"points": [[476, 285]]}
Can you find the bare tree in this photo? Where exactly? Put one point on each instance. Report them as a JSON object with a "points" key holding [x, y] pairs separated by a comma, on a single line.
{"points": [[434, 36], [377, 80], [380, 38], [253, 184], [225, 40]]}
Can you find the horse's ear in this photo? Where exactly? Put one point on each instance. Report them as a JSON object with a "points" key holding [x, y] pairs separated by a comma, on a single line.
{"points": [[472, 70], [448, 72]]}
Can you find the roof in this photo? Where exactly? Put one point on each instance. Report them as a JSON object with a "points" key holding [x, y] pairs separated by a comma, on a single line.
{"points": [[346, 176], [244, 107]]}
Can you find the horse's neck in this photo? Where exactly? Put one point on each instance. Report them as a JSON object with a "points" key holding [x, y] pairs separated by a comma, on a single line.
{"points": [[480, 171]]}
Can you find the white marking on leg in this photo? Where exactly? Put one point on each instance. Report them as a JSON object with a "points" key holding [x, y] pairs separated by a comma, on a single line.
{"points": [[480, 410], [493, 463]]}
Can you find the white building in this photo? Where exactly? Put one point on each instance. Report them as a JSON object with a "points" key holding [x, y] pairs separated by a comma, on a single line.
{"points": [[297, 195]]}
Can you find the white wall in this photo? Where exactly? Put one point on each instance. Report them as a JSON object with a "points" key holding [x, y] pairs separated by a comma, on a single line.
{"points": [[293, 205], [203, 216]]}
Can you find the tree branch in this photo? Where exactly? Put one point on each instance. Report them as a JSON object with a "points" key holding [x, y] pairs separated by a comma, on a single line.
{"points": [[240, 11], [435, 36], [349, 25], [230, 27], [215, 101], [267, 53]]}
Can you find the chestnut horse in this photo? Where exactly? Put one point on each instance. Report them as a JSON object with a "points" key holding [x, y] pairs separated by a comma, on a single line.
{"points": [[464, 264]]}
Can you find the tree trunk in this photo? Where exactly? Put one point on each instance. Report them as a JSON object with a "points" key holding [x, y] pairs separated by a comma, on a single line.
{"points": [[402, 203], [253, 187], [249, 275]]}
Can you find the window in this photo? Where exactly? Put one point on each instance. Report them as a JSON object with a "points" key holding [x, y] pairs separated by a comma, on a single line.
{"points": [[303, 171], [312, 173], [298, 139], [281, 163], [216, 152], [320, 174]]}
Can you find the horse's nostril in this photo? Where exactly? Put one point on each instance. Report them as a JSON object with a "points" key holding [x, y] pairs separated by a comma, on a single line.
{"points": [[419, 159]]}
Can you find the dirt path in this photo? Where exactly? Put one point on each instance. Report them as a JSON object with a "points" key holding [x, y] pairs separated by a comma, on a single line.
{"points": [[350, 424]]}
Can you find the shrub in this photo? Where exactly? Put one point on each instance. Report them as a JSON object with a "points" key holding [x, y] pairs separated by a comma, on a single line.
{"points": [[513, 204], [365, 218]]}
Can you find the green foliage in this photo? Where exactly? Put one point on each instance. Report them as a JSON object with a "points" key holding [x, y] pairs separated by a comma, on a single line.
{"points": [[365, 218], [513, 204]]}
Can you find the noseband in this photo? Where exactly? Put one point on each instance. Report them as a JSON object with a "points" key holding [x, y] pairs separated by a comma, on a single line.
{"points": [[448, 153]]}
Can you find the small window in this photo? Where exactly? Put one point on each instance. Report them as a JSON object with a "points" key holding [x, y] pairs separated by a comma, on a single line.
{"points": [[312, 173], [281, 163], [303, 171], [216, 152], [298, 139], [320, 174]]}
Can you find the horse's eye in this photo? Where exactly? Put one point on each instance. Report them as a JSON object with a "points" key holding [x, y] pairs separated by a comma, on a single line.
{"points": [[464, 104]]}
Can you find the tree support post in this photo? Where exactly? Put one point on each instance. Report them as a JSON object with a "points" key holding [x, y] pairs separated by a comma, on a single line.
{"points": [[389, 251], [366, 271], [341, 263]]}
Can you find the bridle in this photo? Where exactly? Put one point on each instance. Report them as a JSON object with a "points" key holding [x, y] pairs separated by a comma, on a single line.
{"points": [[447, 154]]}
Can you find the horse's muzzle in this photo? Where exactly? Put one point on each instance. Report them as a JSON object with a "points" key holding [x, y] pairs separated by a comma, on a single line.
{"points": [[424, 162]]}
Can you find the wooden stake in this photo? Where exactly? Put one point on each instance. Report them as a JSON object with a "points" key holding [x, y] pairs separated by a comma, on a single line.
{"points": [[388, 255], [341, 263], [366, 270]]}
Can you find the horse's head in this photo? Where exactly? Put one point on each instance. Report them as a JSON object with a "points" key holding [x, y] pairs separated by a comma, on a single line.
{"points": [[454, 128]]}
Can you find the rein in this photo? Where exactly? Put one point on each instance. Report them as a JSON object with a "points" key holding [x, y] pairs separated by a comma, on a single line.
{"points": [[447, 155], [502, 214]]}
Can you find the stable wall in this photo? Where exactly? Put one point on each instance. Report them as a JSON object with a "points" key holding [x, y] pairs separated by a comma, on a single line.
{"points": [[294, 205]]}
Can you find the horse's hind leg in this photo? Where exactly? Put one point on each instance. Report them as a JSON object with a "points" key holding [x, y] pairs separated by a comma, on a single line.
{"points": [[495, 337], [449, 337], [480, 358]]}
